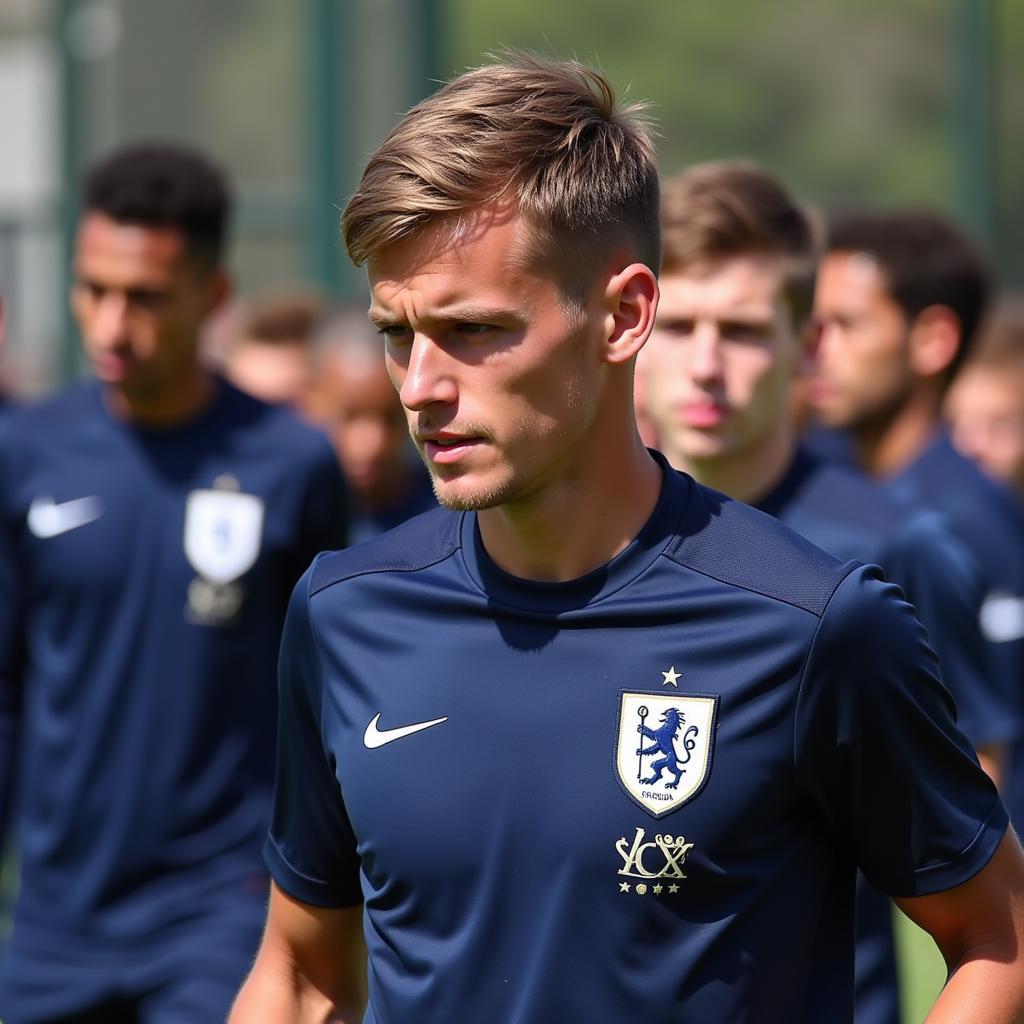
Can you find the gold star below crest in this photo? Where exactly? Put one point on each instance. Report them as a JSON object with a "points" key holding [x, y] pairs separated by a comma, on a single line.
{"points": [[671, 677]]}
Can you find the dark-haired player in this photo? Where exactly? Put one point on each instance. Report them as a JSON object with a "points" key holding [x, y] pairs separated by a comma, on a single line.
{"points": [[899, 298], [591, 743], [152, 524], [737, 282]]}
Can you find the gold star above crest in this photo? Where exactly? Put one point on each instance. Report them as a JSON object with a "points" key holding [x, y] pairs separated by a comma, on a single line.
{"points": [[670, 677], [623, 886], [673, 887], [657, 889]]}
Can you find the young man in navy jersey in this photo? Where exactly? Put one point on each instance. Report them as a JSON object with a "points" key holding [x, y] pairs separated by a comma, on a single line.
{"points": [[592, 742], [153, 524], [732, 330], [899, 299]]}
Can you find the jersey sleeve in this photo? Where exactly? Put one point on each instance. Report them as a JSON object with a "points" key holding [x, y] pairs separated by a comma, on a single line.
{"points": [[941, 581], [878, 752], [311, 850]]}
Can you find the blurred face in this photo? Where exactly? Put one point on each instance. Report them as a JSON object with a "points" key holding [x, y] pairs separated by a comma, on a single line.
{"points": [[499, 381], [986, 410], [718, 368], [139, 302], [274, 373], [862, 373], [357, 404]]}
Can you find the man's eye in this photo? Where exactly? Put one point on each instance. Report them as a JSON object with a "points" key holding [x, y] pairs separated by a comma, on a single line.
{"points": [[394, 332], [468, 328], [145, 299], [681, 328], [749, 333]]}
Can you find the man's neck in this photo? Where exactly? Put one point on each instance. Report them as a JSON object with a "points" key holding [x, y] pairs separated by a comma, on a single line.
{"points": [[580, 520], [746, 476], [169, 407], [887, 446]]}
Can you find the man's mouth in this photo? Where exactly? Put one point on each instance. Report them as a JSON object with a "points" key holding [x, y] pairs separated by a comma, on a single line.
{"points": [[443, 449]]}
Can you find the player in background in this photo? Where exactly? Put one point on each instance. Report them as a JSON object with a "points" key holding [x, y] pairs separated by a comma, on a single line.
{"points": [[731, 336], [592, 742], [899, 298], [985, 405], [270, 355], [152, 524], [355, 402]]}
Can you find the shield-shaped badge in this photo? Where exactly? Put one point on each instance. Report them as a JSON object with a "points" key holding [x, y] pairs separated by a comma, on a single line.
{"points": [[663, 747], [222, 533]]}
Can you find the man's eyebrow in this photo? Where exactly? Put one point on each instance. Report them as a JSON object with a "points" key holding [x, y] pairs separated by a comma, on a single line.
{"points": [[450, 314], [379, 319]]}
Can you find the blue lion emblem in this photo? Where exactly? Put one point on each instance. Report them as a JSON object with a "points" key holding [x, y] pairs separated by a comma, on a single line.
{"points": [[664, 743]]}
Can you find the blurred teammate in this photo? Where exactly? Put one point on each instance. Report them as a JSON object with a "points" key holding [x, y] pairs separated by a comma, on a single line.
{"points": [[731, 333], [591, 740], [271, 357], [985, 404], [152, 524], [899, 298], [355, 401]]}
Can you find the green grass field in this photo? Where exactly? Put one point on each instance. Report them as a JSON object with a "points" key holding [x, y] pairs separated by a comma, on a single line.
{"points": [[922, 970]]}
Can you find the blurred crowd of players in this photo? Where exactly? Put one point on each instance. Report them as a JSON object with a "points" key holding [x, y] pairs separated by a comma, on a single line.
{"points": [[844, 374]]}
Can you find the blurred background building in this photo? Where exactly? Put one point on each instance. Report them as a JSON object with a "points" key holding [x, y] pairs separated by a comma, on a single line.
{"points": [[848, 100]]}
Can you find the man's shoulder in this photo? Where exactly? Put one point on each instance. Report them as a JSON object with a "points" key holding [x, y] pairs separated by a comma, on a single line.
{"points": [[51, 413], [415, 545], [817, 489], [743, 547], [272, 424], [978, 507]]}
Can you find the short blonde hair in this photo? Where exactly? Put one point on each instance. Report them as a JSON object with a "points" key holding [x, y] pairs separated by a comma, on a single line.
{"points": [[547, 137], [724, 209]]}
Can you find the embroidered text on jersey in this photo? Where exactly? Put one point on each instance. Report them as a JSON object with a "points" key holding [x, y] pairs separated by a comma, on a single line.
{"points": [[374, 737]]}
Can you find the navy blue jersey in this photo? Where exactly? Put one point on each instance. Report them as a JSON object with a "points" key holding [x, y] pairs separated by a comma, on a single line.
{"points": [[850, 517], [845, 514], [986, 518], [639, 795], [144, 576], [418, 497]]}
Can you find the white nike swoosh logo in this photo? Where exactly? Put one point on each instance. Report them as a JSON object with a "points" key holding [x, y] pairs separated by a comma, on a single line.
{"points": [[374, 737], [48, 519]]}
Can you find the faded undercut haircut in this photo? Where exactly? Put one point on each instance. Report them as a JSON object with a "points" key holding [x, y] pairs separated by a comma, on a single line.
{"points": [[727, 209], [549, 139]]}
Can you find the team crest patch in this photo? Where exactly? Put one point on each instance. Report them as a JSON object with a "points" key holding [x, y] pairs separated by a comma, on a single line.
{"points": [[664, 745], [223, 529]]}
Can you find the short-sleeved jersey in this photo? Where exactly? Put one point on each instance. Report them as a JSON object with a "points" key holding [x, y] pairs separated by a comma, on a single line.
{"points": [[638, 795], [849, 516], [984, 516], [144, 577]]}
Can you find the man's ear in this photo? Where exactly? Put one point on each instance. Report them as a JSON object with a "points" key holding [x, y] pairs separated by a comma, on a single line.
{"points": [[219, 287], [934, 341], [630, 301]]}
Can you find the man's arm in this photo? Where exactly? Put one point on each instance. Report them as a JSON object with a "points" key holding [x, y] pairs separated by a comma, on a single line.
{"points": [[979, 928], [310, 969]]}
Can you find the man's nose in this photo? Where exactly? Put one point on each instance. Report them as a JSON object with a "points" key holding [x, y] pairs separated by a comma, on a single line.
{"points": [[429, 375], [706, 353], [109, 323]]}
